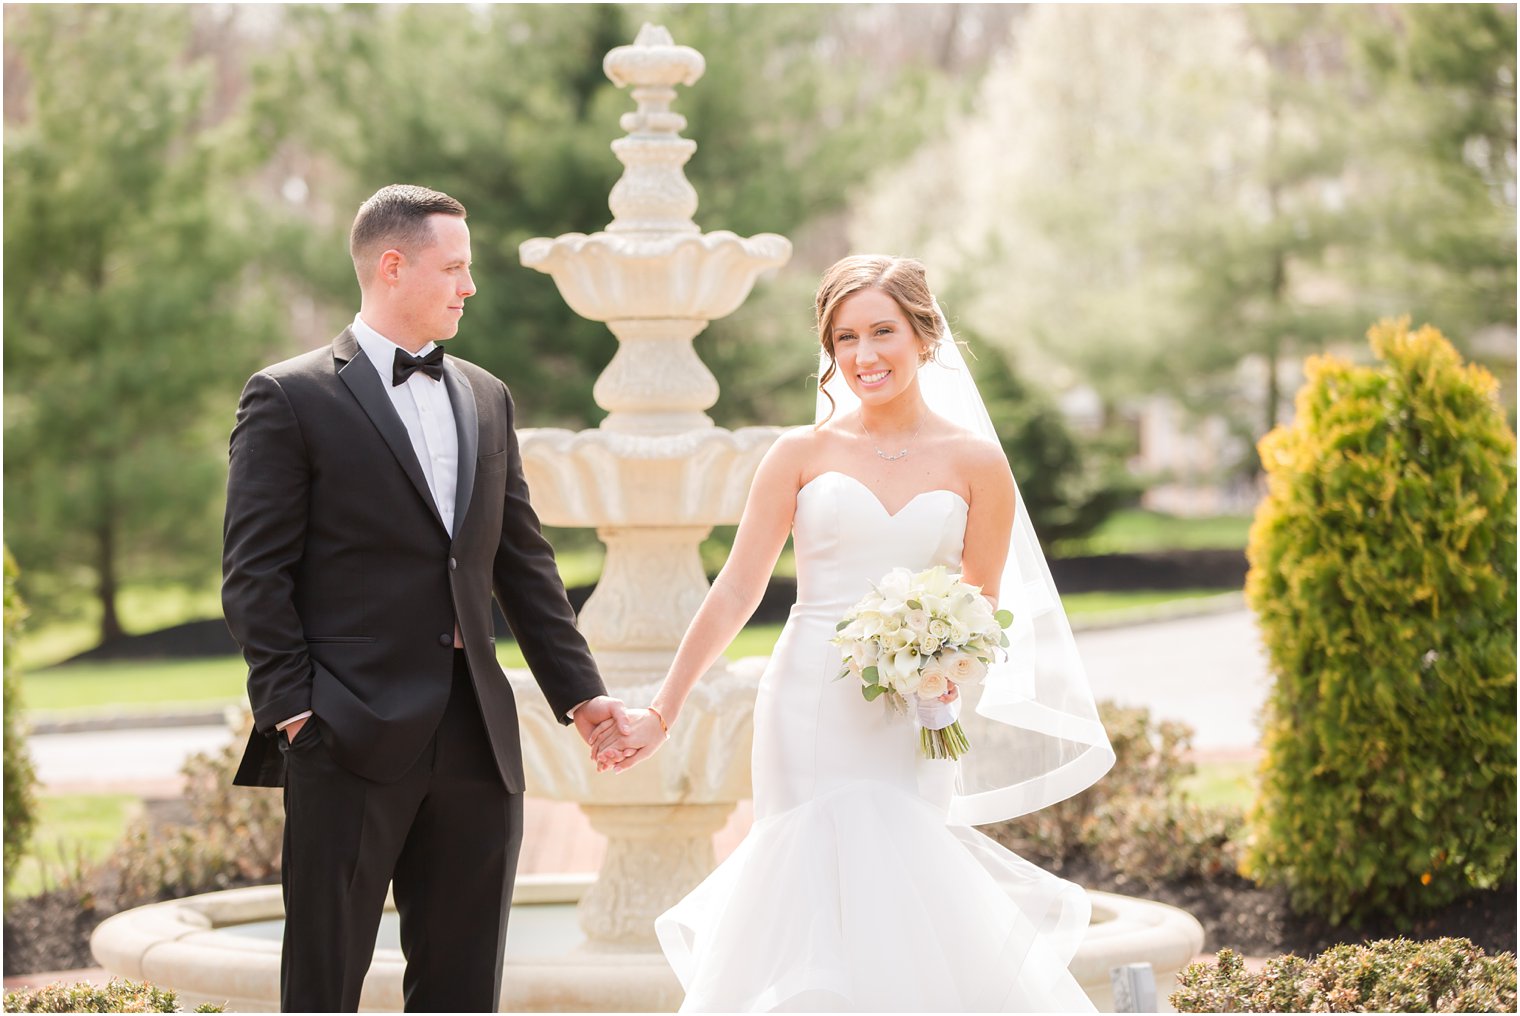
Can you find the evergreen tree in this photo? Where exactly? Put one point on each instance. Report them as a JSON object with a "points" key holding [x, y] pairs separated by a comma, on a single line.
{"points": [[131, 298]]}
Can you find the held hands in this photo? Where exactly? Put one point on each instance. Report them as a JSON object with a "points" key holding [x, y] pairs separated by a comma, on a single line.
{"points": [[617, 749], [602, 713]]}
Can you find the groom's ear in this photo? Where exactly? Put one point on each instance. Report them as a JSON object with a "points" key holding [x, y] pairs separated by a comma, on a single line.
{"points": [[388, 270]]}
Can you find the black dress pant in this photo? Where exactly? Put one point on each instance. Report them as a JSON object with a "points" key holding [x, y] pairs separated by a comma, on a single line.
{"points": [[446, 834]]}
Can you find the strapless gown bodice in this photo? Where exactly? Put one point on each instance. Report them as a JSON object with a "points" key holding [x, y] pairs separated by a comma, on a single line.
{"points": [[841, 535], [852, 892]]}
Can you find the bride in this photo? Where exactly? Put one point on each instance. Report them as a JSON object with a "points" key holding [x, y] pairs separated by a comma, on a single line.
{"points": [[861, 885]]}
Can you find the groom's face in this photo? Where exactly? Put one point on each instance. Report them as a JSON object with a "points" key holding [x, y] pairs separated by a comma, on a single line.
{"points": [[432, 284]]}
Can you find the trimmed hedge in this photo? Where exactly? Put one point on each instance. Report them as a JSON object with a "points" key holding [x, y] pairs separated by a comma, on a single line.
{"points": [[1383, 578], [117, 996], [1392, 975]]}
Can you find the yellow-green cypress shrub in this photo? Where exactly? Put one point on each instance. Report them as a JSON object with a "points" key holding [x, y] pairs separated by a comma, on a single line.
{"points": [[1383, 578]]}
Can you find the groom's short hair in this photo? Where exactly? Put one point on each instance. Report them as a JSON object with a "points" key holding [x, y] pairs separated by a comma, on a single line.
{"points": [[396, 216]]}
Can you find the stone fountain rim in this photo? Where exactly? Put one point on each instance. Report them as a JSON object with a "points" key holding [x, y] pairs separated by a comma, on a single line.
{"points": [[175, 944], [635, 246], [624, 444]]}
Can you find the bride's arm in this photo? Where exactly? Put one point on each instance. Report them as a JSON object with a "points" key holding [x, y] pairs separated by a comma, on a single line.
{"points": [[735, 593], [989, 523]]}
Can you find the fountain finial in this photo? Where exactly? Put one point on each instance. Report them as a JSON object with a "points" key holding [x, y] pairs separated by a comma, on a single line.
{"points": [[653, 195]]}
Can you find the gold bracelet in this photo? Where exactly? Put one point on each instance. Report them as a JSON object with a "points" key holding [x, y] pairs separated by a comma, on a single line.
{"points": [[663, 729]]}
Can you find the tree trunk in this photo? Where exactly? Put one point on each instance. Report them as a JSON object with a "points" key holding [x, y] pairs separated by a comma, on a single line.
{"points": [[105, 566]]}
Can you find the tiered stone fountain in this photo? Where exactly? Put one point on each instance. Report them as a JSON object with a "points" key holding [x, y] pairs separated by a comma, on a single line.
{"points": [[652, 480]]}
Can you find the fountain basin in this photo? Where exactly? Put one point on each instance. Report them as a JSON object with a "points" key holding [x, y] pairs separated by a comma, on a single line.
{"points": [[601, 478], [224, 948], [613, 276]]}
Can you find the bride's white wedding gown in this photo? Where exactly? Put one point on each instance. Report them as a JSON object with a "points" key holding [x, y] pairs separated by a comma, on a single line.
{"points": [[851, 891]]}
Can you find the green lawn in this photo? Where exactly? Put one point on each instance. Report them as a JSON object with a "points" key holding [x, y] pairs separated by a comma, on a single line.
{"points": [[208, 681], [1134, 531], [1090, 605], [71, 830], [1230, 784], [217, 680]]}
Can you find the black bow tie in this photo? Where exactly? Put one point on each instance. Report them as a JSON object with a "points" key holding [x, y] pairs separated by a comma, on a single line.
{"points": [[406, 364]]}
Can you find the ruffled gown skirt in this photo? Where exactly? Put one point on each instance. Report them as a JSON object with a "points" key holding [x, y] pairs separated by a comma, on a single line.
{"points": [[851, 891]]}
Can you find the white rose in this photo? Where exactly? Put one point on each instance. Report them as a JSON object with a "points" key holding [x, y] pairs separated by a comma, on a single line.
{"points": [[928, 645], [896, 586], [917, 621], [939, 628], [963, 668]]}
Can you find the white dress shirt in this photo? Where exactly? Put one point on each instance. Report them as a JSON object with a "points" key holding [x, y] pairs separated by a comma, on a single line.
{"points": [[424, 407]]}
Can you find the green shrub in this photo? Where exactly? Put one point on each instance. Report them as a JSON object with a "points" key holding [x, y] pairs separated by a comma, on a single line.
{"points": [[118, 996], [1392, 975], [1383, 578], [233, 838], [1135, 819], [20, 778], [1157, 839]]}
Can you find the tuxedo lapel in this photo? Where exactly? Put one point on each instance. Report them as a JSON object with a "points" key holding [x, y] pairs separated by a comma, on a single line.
{"points": [[365, 384], [467, 424]]}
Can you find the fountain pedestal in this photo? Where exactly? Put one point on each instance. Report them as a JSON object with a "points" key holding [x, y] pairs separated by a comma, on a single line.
{"points": [[650, 850], [652, 480]]}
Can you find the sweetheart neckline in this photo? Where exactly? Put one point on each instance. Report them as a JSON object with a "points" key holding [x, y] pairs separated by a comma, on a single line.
{"points": [[890, 514]]}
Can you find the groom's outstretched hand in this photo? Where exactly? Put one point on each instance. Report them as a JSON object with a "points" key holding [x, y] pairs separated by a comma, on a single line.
{"points": [[606, 713]]}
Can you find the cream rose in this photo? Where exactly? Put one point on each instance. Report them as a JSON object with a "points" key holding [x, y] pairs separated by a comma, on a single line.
{"points": [[932, 682], [963, 668]]}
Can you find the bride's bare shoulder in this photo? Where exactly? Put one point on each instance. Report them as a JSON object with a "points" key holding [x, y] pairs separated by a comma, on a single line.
{"points": [[790, 453], [964, 446]]}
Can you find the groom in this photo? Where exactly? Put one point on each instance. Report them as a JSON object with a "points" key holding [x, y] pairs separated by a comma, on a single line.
{"points": [[375, 501]]}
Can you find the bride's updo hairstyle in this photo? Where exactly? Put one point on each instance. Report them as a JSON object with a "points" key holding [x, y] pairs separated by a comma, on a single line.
{"points": [[900, 278]]}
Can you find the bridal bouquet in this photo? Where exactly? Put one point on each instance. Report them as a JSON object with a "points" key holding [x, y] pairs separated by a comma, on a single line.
{"points": [[916, 636]]}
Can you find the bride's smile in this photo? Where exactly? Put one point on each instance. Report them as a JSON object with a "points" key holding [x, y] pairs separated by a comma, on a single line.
{"points": [[877, 349]]}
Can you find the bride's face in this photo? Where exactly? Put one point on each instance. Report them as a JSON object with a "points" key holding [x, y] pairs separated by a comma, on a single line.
{"points": [[875, 347]]}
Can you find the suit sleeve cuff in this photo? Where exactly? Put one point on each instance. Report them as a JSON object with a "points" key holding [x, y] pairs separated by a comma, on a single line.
{"points": [[298, 716]]}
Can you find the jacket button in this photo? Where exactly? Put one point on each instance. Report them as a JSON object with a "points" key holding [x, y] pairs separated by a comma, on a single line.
{"points": [[453, 564], [445, 640]]}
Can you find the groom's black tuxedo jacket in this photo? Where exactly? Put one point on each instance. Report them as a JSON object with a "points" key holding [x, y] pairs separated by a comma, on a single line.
{"points": [[343, 586]]}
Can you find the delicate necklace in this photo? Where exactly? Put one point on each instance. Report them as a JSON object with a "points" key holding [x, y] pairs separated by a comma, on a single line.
{"points": [[905, 448]]}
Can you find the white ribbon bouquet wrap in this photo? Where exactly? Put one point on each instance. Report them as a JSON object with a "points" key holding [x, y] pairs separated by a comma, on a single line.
{"points": [[913, 638]]}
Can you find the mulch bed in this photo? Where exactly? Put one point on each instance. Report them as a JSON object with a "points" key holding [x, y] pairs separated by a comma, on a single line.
{"points": [[1237, 915], [51, 931]]}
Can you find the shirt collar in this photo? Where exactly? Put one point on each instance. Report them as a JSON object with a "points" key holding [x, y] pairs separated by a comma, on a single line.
{"points": [[379, 349]]}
